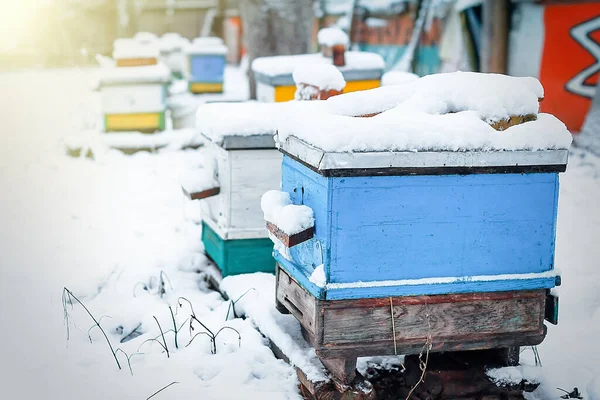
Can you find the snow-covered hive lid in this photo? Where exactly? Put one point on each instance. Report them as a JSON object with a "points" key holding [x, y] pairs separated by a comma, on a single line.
{"points": [[443, 121], [332, 36], [243, 125], [145, 37], [277, 70], [171, 42], [132, 48], [115, 76], [321, 76], [398, 78], [207, 45]]}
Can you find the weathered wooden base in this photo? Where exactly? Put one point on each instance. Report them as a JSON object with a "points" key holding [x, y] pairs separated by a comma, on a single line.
{"points": [[238, 256], [357, 389], [342, 330]]}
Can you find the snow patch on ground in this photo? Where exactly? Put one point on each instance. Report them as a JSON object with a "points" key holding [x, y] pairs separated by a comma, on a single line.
{"points": [[101, 227], [283, 330]]}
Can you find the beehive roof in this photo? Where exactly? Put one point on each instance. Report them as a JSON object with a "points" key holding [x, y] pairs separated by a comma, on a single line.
{"points": [[131, 48], [207, 45], [158, 73], [438, 113], [239, 125], [277, 70]]}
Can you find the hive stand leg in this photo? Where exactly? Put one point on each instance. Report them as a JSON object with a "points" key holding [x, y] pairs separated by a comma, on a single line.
{"points": [[342, 369], [509, 356]]}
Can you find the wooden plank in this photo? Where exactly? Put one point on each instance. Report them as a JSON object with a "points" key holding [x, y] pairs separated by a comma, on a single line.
{"points": [[468, 315], [359, 389], [344, 369], [296, 300], [551, 309], [414, 346], [291, 240], [135, 62], [512, 121], [202, 194]]}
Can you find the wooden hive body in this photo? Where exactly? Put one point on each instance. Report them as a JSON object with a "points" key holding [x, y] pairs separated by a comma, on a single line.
{"points": [[134, 106], [206, 73], [234, 233], [280, 87], [404, 232], [433, 249]]}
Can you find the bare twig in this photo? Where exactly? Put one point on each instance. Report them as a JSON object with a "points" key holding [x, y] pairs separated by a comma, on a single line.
{"points": [[152, 340], [144, 286], [163, 337], [203, 333], [127, 357], [94, 326], [174, 327], [423, 364], [161, 289], [155, 393], [235, 330], [234, 302], [68, 295]]}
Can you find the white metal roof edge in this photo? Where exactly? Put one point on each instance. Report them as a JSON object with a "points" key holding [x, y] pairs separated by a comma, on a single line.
{"points": [[323, 160]]}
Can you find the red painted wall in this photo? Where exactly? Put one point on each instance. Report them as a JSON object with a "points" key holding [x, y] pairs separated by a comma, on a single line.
{"points": [[570, 60]]}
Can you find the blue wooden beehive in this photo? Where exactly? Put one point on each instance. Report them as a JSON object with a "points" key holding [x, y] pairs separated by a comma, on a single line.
{"points": [[206, 65], [440, 228], [450, 246]]}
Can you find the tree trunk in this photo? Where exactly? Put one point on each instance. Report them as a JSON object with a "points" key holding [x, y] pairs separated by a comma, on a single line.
{"points": [[275, 27]]}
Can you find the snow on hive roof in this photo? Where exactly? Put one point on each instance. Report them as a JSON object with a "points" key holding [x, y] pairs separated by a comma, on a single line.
{"points": [[323, 76], [158, 73], [207, 45], [131, 48], [145, 37], [172, 42], [441, 112], [220, 121], [332, 36], [493, 96], [397, 78], [285, 65]]}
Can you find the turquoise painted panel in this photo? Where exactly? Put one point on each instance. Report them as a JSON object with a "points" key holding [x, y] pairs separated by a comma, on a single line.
{"points": [[240, 256], [439, 226], [207, 68], [427, 57], [214, 246]]}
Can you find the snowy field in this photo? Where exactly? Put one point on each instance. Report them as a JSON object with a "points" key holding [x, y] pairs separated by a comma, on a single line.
{"points": [[106, 228]]}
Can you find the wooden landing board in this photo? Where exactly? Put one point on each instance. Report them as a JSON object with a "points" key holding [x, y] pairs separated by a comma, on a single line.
{"points": [[365, 327], [202, 194], [291, 240]]}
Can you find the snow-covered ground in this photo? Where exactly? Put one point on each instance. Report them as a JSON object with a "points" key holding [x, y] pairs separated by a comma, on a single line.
{"points": [[104, 228]]}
